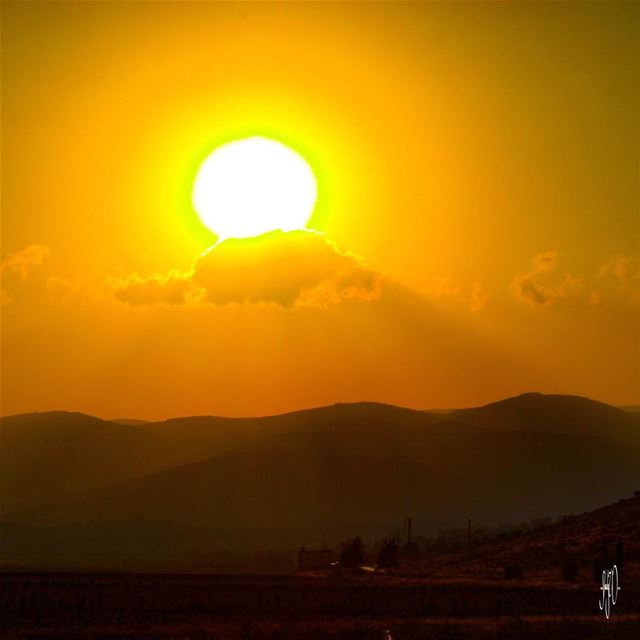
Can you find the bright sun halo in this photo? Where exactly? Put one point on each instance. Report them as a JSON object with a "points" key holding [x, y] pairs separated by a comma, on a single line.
{"points": [[252, 186]]}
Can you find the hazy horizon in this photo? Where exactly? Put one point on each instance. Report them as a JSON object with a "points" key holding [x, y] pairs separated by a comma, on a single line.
{"points": [[474, 219], [624, 407]]}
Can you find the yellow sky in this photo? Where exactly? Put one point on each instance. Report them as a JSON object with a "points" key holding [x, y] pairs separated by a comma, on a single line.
{"points": [[478, 176]]}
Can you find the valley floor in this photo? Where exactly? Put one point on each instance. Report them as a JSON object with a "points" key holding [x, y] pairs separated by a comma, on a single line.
{"points": [[193, 607]]}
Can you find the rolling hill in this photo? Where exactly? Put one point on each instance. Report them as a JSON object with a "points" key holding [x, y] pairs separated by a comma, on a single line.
{"points": [[48, 457], [320, 474], [541, 552], [57, 456], [556, 413]]}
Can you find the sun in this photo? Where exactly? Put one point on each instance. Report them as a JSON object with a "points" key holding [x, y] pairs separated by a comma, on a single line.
{"points": [[251, 186]]}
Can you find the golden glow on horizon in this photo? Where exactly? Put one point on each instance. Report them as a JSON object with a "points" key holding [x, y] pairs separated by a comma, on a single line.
{"points": [[248, 187], [482, 162]]}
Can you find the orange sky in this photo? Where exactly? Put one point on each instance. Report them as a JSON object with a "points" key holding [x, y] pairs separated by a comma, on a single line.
{"points": [[479, 197]]}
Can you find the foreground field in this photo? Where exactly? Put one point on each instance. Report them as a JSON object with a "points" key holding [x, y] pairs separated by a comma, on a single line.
{"points": [[281, 607], [528, 628]]}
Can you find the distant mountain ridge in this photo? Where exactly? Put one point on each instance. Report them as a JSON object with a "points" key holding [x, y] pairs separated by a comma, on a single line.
{"points": [[48, 457], [129, 421], [564, 413], [319, 473]]}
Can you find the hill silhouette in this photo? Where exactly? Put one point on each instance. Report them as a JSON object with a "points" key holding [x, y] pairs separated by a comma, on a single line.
{"points": [[318, 474], [47, 457], [556, 413], [541, 552], [56, 456]]}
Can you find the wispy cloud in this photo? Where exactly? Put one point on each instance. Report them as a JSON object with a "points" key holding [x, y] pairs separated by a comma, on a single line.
{"points": [[16, 267], [530, 287], [21, 262], [624, 273], [473, 295]]}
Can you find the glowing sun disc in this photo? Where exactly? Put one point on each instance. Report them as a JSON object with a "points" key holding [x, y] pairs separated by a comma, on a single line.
{"points": [[251, 186]]}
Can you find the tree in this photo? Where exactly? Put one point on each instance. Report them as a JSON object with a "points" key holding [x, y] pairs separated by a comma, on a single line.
{"points": [[352, 554], [388, 555]]}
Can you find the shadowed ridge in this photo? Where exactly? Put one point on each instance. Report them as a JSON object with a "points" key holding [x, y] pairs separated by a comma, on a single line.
{"points": [[535, 398], [48, 456], [321, 473], [338, 408], [50, 417], [55, 456], [554, 413], [540, 551], [195, 435]]}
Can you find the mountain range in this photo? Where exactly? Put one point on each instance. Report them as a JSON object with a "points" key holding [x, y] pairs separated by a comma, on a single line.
{"points": [[186, 485]]}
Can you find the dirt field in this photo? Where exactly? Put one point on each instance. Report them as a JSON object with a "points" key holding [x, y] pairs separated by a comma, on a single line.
{"points": [[191, 607]]}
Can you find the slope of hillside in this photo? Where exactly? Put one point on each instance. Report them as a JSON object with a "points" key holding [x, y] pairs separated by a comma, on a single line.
{"points": [[57, 456], [540, 554], [323, 474], [200, 437], [351, 472], [53, 456]]}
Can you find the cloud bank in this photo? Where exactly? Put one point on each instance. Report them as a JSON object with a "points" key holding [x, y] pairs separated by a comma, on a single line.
{"points": [[289, 269]]}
